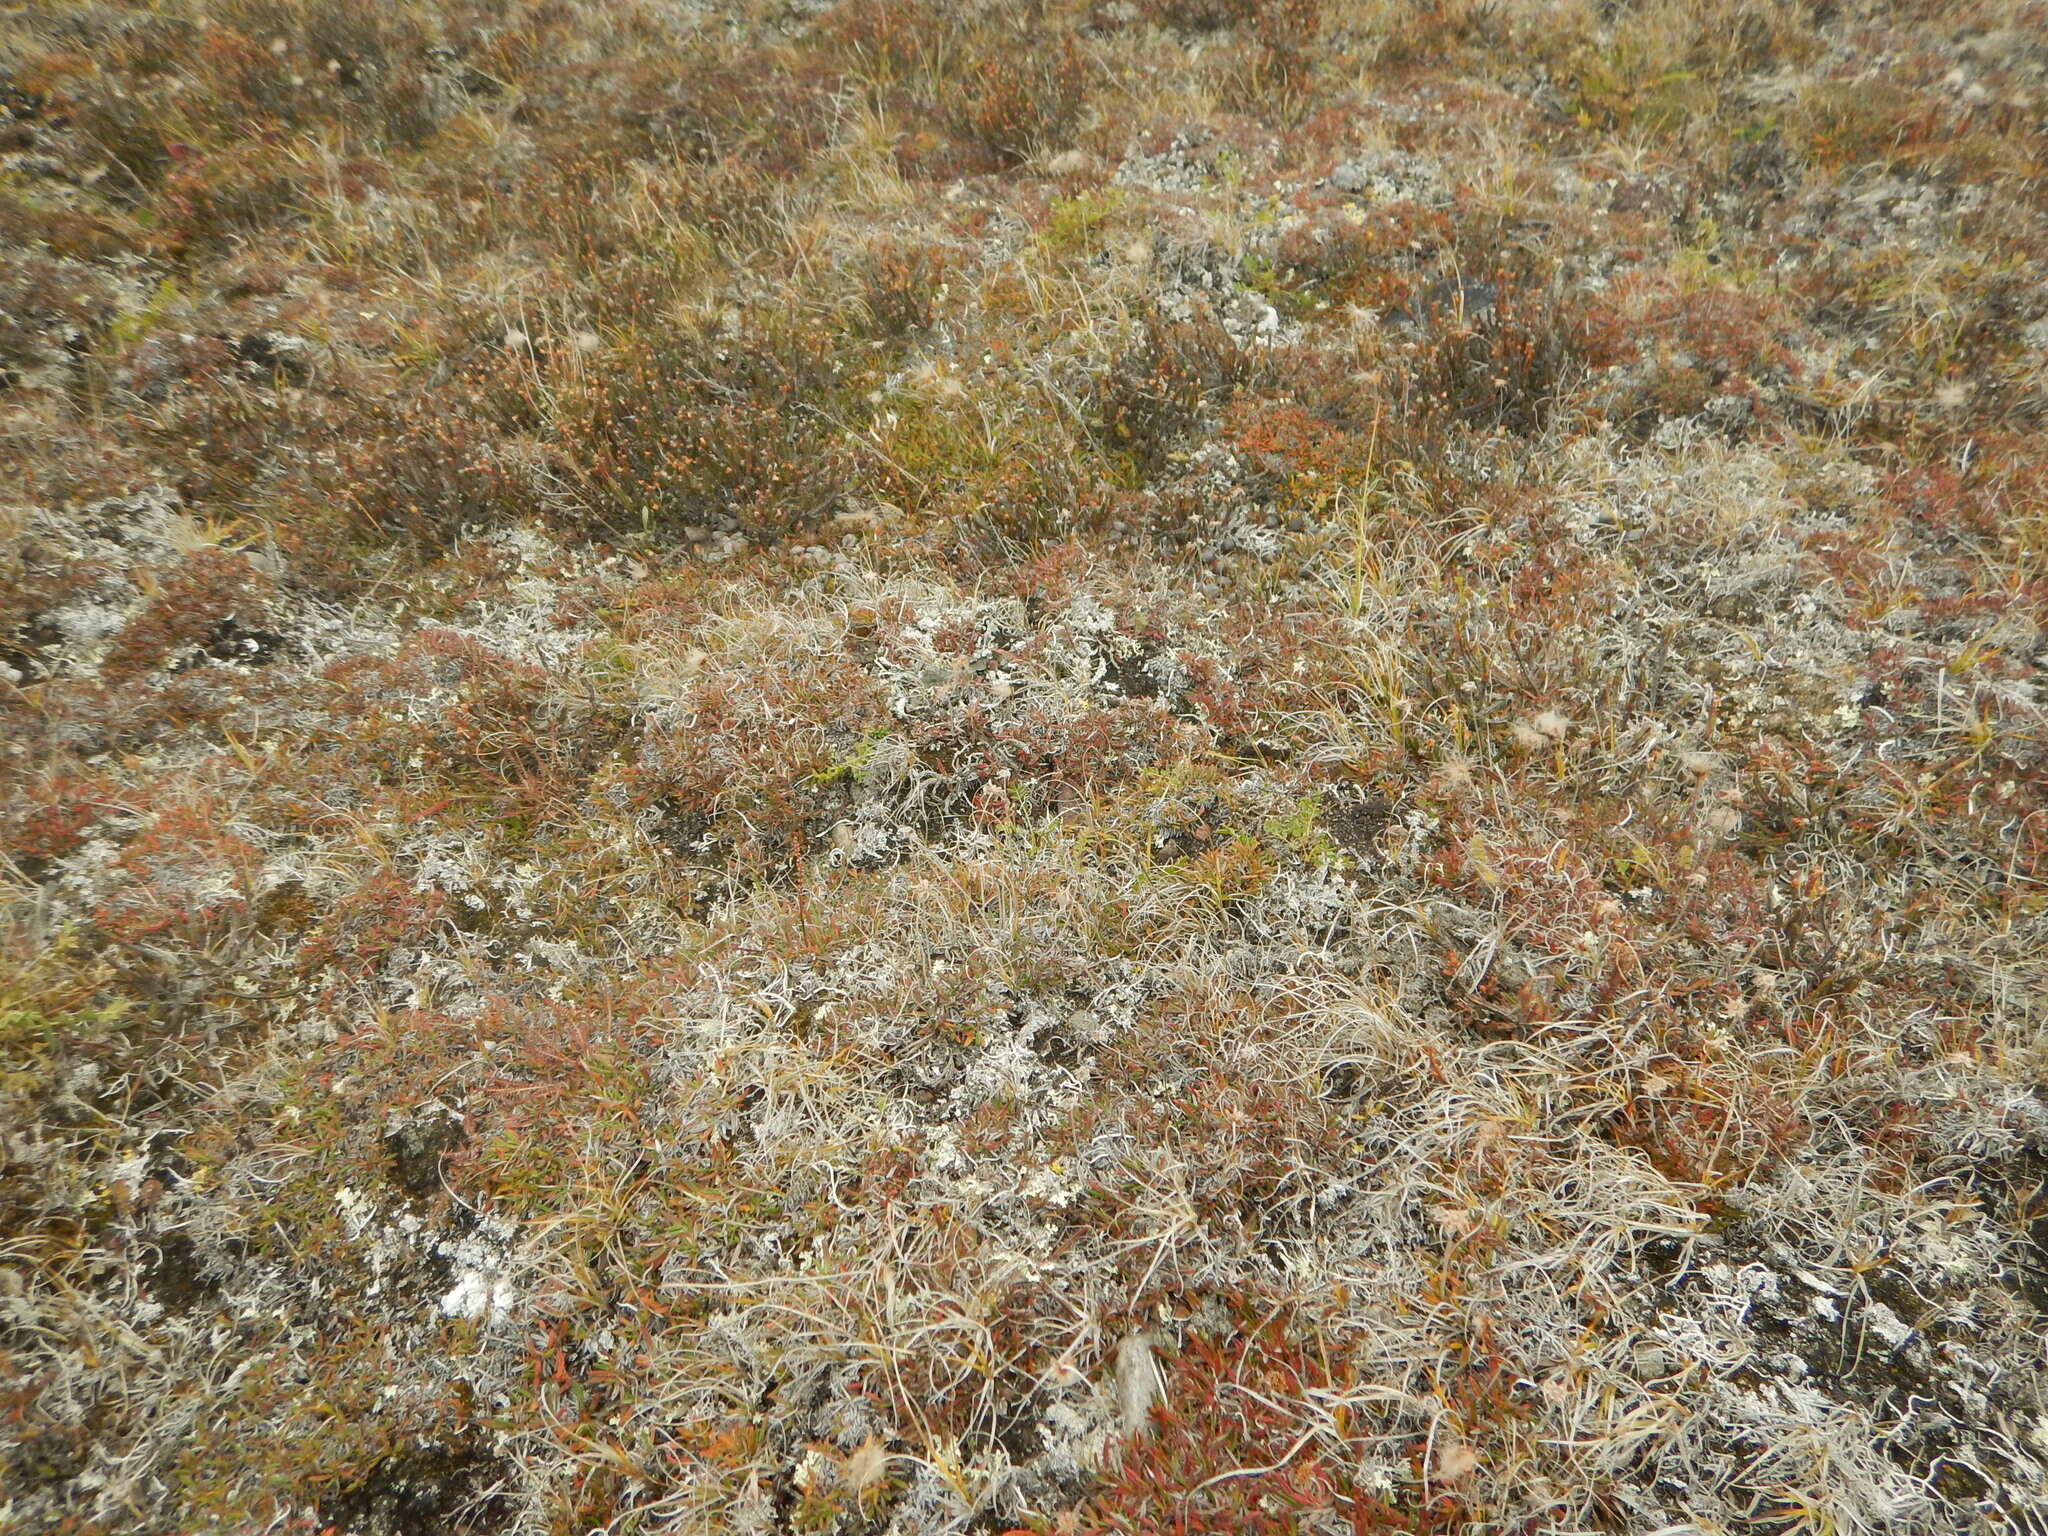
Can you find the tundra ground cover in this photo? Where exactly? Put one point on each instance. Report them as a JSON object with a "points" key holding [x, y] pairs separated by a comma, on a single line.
{"points": [[1143, 766]]}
